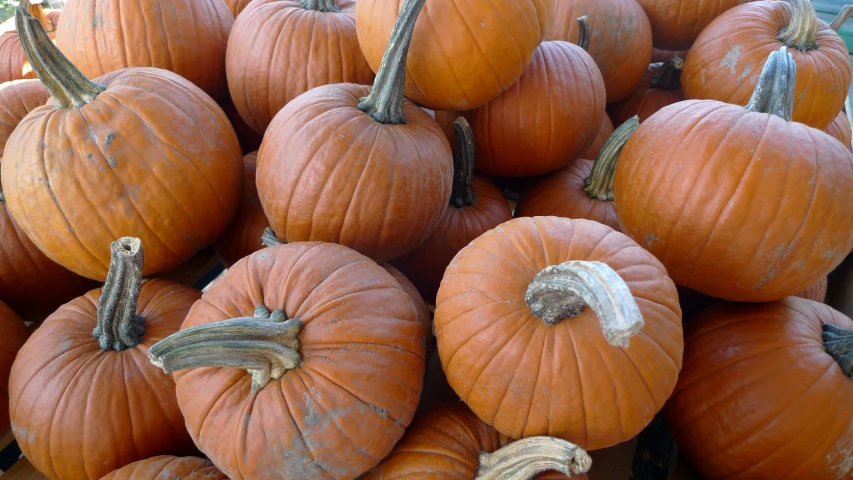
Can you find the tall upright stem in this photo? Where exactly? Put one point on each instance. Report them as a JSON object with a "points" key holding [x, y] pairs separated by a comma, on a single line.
{"points": [[524, 459], [774, 92], [584, 33], [462, 194], [599, 183], [801, 33], [119, 326]]}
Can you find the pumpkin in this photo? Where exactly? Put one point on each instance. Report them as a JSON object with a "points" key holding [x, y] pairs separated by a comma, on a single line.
{"points": [[280, 49], [475, 207], [463, 53], [15, 333], [243, 236], [13, 62], [727, 59], [73, 174], [165, 467], [17, 99], [188, 37], [739, 203], [604, 133], [841, 130], [83, 404], [816, 292], [677, 23], [782, 369], [660, 56], [250, 140], [449, 442], [361, 167], [584, 189], [663, 89], [322, 387], [620, 43], [518, 344], [237, 6], [546, 120]]}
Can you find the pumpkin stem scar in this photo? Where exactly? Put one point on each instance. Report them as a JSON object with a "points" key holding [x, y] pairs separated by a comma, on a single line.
{"points": [[838, 343], [842, 17], [774, 92], [801, 33], [562, 291], [599, 183], [669, 76], [326, 6], [523, 459], [584, 33], [269, 238], [119, 326], [385, 102], [66, 84], [265, 344], [462, 194]]}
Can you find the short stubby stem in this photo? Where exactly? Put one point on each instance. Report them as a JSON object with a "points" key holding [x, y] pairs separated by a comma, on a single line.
{"points": [[269, 238], [774, 92], [584, 33], [599, 183], [524, 459], [119, 326], [838, 343], [801, 33], [464, 157], [326, 6]]}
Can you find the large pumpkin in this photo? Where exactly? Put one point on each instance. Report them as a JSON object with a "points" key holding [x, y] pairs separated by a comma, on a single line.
{"points": [[727, 59], [677, 23], [280, 49], [243, 236], [17, 100], [738, 203], [15, 333], [663, 89], [13, 61], [518, 342], [841, 130], [84, 404], [463, 53], [187, 37], [362, 167], [604, 133], [73, 172], [332, 380], [165, 467], [237, 6], [765, 392]]}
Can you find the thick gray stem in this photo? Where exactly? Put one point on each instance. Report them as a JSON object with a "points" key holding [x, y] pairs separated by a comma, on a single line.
{"points": [[599, 183], [326, 6], [838, 343], [524, 459], [119, 326], [269, 239], [774, 92]]}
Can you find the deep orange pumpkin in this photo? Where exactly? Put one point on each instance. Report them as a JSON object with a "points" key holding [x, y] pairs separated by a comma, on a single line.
{"points": [[604, 133], [816, 292], [677, 23], [15, 333], [761, 394], [13, 61], [841, 130], [663, 89], [243, 236], [168, 468], [237, 6], [522, 373]]}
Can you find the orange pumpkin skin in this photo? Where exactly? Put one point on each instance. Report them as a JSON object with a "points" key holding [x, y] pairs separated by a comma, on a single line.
{"points": [[705, 201], [237, 6], [62, 382], [82, 188], [503, 361], [816, 292], [546, 120], [250, 140], [15, 334], [165, 467], [243, 237], [726, 61], [13, 62], [17, 99], [463, 54], [187, 37], [765, 366], [561, 194], [356, 390], [279, 50], [840, 130], [418, 304], [604, 133], [620, 42], [645, 100], [677, 23]]}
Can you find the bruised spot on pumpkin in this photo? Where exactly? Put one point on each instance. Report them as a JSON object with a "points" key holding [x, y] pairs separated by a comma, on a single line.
{"points": [[108, 139], [650, 239], [731, 58]]}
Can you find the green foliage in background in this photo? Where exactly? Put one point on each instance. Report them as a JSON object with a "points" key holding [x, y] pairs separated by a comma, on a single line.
{"points": [[7, 9]]}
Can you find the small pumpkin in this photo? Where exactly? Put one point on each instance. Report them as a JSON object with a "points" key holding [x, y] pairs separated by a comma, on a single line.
{"points": [[782, 369], [727, 59], [663, 89], [13, 61], [604, 133], [243, 236], [677, 23], [816, 292], [841, 130], [15, 333], [166, 467], [713, 198], [237, 6], [83, 404], [518, 342]]}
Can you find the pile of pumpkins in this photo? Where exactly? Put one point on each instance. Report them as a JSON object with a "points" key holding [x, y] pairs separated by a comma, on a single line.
{"points": [[674, 264]]}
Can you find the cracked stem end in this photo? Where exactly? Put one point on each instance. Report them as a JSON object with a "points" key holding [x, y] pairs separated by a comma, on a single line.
{"points": [[119, 326]]}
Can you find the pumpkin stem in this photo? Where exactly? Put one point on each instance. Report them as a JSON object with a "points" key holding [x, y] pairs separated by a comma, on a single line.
{"points": [[562, 291], [385, 102], [669, 76], [599, 183], [801, 33], [524, 459], [269, 238], [119, 326], [584, 34], [265, 344], [842, 17], [68, 87], [326, 6], [838, 343], [462, 194], [37, 11], [774, 92]]}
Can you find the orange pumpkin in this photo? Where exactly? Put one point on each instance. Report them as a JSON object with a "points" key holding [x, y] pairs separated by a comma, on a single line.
{"points": [[604, 133], [841, 130], [816, 292], [663, 89], [518, 343], [15, 333], [243, 236], [782, 370], [250, 140], [726, 61], [165, 467], [237, 6], [13, 61], [677, 23], [17, 100]]}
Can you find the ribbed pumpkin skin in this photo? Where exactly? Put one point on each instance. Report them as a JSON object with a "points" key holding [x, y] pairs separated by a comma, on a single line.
{"points": [[12, 58], [17, 99], [620, 41], [243, 237], [177, 198], [15, 334], [561, 194], [525, 376], [418, 304], [344, 408], [187, 37], [546, 120], [758, 396], [329, 172], [738, 205], [726, 61], [463, 54], [604, 133], [78, 412], [816, 292], [237, 6], [677, 23], [840, 130], [645, 100], [279, 50], [168, 468]]}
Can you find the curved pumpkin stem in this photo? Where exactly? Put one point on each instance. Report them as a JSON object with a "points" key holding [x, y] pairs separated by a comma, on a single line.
{"points": [[669, 76], [119, 326], [269, 238], [524, 459], [36, 10], [774, 92], [562, 291], [265, 344], [326, 6], [838, 343], [599, 183], [802, 32], [842, 17], [584, 33], [462, 194], [385, 102]]}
